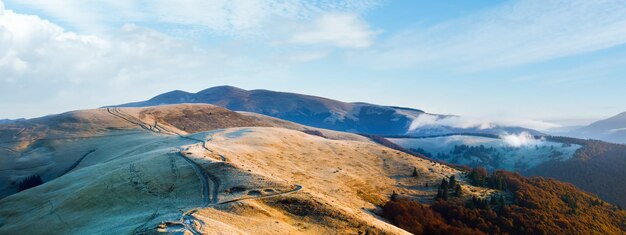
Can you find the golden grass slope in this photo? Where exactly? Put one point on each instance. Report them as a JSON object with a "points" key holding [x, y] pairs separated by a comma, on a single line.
{"points": [[51, 145], [200, 169], [147, 188]]}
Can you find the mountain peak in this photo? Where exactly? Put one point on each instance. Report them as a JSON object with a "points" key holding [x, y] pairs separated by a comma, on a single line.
{"points": [[221, 89]]}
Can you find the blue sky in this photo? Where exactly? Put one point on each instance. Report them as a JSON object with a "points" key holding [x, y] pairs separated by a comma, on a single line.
{"points": [[534, 63]]}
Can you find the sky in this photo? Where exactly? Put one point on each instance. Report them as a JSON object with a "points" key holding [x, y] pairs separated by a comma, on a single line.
{"points": [[537, 63]]}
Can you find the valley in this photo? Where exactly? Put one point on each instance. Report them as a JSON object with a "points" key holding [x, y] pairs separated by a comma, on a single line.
{"points": [[489, 152]]}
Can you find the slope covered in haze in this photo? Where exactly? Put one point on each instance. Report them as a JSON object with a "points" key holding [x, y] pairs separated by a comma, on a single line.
{"points": [[490, 152], [322, 112], [594, 166]]}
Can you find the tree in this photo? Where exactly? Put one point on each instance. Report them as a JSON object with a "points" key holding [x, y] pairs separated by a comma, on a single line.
{"points": [[444, 183], [394, 196], [458, 190], [452, 181], [442, 191], [415, 172], [477, 176], [29, 182]]}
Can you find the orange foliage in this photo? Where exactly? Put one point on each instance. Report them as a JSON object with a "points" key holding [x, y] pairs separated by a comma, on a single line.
{"points": [[539, 206]]}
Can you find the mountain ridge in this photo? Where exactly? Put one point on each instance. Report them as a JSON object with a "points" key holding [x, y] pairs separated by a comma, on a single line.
{"points": [[612, 129], [203, 169], [321, 112]]}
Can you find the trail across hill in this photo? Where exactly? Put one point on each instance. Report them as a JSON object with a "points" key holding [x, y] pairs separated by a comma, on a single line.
{"points": [[210, 183], [75, 164], [187, 220]]}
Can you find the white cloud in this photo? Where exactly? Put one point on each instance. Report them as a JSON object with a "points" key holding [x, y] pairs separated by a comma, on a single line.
{"points": [[46, 69], [337, 29], [422, 121], [44, 65], [511, 34], [426, 120], [232, 17], [521, 139]]}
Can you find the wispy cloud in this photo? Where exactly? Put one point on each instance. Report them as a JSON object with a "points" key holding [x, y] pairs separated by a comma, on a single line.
{"points": [[231, 17], [515, 33], [337, 29]]}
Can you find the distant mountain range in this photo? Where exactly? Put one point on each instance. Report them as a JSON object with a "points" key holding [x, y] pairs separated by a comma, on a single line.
{"points": [[322, 112], [612, 129]]}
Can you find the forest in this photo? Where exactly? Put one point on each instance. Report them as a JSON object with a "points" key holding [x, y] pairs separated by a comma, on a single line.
{"points": [[536, 206], [598, 167]]}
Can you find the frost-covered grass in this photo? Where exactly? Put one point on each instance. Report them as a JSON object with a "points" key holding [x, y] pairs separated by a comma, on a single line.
{"points": [[492, 153]]}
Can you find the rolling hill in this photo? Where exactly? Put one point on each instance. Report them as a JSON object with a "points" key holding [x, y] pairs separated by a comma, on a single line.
{"points": [[612, 129], [203, 169], [322, 112], [197, 168]]}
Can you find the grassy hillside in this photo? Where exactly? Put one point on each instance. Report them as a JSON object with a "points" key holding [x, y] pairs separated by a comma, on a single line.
{"points": [[141, 172], [597, 167], [202, 169]]}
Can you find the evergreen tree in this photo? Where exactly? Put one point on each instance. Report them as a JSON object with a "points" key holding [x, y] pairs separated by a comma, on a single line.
{"points": [[452, 181], [29, 182], [458, 190], [442, 190], [394, 196], [444, 183], [415, 172]]}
